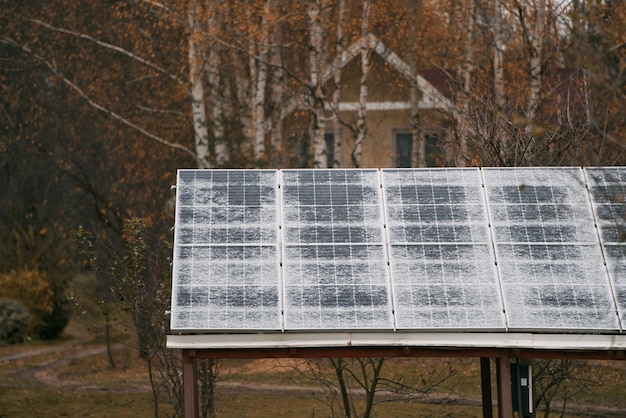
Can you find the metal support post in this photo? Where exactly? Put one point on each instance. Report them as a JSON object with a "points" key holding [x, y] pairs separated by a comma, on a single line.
{"points": [[485, 384], [190, 385], [505, 397]]}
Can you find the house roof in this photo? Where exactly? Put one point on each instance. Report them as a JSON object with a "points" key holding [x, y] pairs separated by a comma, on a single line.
{"points": [[432, 96]]}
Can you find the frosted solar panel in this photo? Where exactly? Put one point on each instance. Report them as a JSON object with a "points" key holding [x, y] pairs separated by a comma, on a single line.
{"points": [[400, 249], [440, 253], [547, 250], [334, 265], [226, 258], [607, 186]]}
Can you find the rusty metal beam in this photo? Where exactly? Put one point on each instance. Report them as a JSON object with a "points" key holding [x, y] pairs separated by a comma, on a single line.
{"points": [[406, 351], [190, 384]]}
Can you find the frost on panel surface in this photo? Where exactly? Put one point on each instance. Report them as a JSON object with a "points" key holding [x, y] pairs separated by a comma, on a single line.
{"points": [[547, 249], [334, 264], [607, 186], [225, 251], [441, 260]]}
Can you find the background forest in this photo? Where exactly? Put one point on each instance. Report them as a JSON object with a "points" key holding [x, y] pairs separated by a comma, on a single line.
{"points": [[101, 101]]}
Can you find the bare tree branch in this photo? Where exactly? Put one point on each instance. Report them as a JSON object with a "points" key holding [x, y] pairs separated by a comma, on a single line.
{"points": [[112, 47], [92, 103]]}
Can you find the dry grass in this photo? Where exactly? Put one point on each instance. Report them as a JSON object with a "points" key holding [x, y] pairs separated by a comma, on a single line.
{"points": [[71, 378]]}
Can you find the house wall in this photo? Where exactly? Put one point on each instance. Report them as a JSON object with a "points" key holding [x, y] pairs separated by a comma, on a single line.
{"points": [[389, 93], [379, 147]]}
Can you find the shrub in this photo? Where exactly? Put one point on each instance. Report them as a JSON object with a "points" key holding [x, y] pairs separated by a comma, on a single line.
{"points": [[55, 322], [14, 322], [35, 290]]}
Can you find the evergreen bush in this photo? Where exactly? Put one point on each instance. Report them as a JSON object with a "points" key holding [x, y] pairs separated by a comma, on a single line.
{"points": [[14, 322]]}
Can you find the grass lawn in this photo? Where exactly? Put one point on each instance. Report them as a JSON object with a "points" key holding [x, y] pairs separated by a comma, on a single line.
{"points": [[60, 380], [71, 377]]}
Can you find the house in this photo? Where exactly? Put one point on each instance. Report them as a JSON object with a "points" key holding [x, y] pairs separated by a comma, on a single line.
{"points": [[394, 124]]}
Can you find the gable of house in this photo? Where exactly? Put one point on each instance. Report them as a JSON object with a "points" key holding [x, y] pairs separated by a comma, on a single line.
{"points": [[389, 120]]}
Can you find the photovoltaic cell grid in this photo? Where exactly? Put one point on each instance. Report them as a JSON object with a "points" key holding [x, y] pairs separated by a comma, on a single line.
{"points": [[607, 188], [442, 265], [226, 261], [547, 250], [335, 270], [321, 249]]}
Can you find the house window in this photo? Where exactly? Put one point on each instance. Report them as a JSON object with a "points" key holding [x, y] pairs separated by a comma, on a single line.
{"points": [[300, 150], [404, 149], [433, 153]]}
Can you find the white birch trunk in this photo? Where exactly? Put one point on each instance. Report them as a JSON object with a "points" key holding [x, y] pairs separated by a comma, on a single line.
{"points": [[258, 104], [361, 126], [218, 103], [498, 78], [318, 127], [249, 96], [465, 24], [536, 44], [198, 107], [418, 148], [341, 56], [275, 126]]}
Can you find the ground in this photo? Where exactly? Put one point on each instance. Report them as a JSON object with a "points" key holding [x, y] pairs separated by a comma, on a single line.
{"points": [[71, 377]]}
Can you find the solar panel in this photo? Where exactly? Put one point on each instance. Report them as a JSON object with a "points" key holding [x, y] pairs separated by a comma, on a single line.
{"points": [[226, 258], [440, 253], [400, 249], [335, 270], [548, 256], [608, 191]]}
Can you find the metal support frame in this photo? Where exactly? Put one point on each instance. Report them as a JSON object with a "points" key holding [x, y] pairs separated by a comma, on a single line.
{"points": [[502, 358]]}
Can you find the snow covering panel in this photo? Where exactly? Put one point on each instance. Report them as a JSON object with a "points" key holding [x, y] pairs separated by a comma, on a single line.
{"points": [[442, 264], [335, 270], [607, 186], [547, 250], [226, 259], [493, 249]]}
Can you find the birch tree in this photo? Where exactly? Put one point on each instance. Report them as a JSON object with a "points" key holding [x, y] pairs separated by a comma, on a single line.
{"points": [[196, 81], [317, 59], [464, 17], [278, 89], [418, 156], [261, 82], [360, 131], [219, 89], [341, 56]]}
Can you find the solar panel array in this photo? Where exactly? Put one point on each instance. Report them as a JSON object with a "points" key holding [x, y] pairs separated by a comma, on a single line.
{"points": [[399, 249]]}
